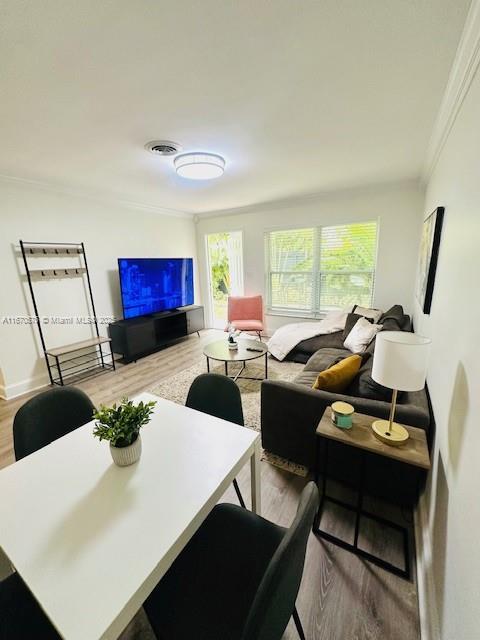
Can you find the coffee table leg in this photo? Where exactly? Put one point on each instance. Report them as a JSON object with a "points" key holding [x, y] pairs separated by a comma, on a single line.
{"points": [[236, 377], [266, 365], [255, 479], [208, 364], [226, 368]]}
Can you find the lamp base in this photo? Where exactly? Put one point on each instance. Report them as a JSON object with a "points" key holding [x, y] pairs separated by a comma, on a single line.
{"points": [[396, 437]]}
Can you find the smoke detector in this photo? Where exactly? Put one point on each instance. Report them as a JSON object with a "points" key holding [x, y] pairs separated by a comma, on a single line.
{"points": [[163, 147]]}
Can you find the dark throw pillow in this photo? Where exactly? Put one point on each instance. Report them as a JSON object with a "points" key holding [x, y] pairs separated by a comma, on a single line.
{"points": [[395, 312], [368, 388]]}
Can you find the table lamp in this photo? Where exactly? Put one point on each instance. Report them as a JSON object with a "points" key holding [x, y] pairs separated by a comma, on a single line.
{"points": [[399, 363]]}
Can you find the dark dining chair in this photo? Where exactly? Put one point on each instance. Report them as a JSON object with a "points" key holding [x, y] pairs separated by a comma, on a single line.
{"points": [[218, 396], [48, 416], [21, 617], [237, 579]]}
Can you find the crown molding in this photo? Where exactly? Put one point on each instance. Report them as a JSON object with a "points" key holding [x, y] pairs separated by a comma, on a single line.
{"points": [[104, 199], [465, 65]]}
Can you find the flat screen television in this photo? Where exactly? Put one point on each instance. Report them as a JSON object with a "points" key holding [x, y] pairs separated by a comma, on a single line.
{"points": [[150, 285]]}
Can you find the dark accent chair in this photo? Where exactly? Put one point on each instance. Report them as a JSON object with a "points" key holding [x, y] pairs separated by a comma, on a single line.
{"points": [[237, 579], [220, 397], [21, 617], [48, 416]]}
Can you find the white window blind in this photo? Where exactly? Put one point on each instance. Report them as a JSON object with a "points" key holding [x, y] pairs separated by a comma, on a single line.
{"points": [[317, 269]]}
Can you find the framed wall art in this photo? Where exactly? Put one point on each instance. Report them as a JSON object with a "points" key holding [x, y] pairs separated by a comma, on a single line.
{"points": [[429, 248]]}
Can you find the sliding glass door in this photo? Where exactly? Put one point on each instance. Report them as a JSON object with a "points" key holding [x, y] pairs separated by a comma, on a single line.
{"points": [[225, 273]]}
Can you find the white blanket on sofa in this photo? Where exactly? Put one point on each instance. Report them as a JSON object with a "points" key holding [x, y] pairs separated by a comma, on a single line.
{"points": [[287, 337]]}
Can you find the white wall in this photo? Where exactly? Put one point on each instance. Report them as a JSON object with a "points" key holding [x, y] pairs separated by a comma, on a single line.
{"points": [[109, 231], [397, 208], [450, 509]]}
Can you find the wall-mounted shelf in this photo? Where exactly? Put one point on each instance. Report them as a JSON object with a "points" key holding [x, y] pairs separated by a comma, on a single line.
{"points": [[90, 358]]}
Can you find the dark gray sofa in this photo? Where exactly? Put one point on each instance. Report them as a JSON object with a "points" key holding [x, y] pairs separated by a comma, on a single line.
{"points": [[290, 412], [396, 321]]}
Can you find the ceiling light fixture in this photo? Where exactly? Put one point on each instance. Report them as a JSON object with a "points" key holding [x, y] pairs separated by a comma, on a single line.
{"points": [[199, 166]]}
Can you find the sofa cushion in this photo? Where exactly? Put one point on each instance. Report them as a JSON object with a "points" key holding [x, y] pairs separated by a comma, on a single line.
{"points": [[351, 321], [354, 387], [395, 312], [337, 377], [306, 378], [324, 358], [364, 386], [321, 360], [392, 320], [361, 335], [372, 314], [310, 346], [396, 320], [368, 388]]}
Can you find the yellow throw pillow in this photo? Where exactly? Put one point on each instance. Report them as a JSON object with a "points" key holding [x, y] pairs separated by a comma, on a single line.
{"points": [[337, 378]]}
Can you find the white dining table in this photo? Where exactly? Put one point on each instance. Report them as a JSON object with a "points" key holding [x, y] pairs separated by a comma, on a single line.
{"points": [[90, 539]]}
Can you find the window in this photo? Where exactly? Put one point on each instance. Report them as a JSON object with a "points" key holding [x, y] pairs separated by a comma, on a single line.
{"points": [[317, 269], [225, 273]]}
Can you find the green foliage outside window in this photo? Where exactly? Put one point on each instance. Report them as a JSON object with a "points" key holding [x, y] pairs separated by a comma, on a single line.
{"points": [[220, 274], [322, 268]]}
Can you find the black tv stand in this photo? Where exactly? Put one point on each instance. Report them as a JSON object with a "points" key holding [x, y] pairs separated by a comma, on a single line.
{"points": [[135, 338]]}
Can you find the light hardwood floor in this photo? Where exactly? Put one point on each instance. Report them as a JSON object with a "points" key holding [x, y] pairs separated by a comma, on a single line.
{"points": [[341, 597]]}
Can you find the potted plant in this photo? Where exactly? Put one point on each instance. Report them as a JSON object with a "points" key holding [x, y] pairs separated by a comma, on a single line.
{"points": [[121, 425]]}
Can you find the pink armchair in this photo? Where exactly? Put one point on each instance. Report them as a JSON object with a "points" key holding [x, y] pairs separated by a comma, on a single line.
{"points": [[245, 313]]}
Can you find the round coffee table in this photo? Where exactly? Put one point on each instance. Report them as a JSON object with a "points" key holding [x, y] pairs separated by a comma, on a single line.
{"points": [[248, 349]]}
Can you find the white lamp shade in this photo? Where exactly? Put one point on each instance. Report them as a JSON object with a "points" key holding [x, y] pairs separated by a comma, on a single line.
{"points": [[400, 360]]}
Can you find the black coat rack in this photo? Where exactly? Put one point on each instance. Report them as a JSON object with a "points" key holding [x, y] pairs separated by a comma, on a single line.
{"points": [[63, 366]]}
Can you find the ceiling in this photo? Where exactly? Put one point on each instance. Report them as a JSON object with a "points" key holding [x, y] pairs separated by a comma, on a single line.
{"points": [[299, 96]]}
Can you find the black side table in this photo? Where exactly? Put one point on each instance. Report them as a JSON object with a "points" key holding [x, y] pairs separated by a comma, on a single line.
{"points": [[413, 452]]}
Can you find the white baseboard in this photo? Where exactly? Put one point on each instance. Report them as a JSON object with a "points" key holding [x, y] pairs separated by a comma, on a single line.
{"points": [[11, 391], [427, 607]]}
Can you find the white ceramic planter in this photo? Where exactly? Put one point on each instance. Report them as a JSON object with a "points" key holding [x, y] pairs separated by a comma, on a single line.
{"points": [[124, 456]]}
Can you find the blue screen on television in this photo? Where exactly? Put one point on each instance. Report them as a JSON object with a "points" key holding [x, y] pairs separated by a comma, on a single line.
{"points": [[149, 285]]}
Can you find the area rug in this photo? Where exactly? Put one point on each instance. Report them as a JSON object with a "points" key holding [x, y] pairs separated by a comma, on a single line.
{"points": [[176, 389]]}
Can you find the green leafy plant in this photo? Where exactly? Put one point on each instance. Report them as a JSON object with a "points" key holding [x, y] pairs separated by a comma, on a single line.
{"points": [[121, 424]]}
